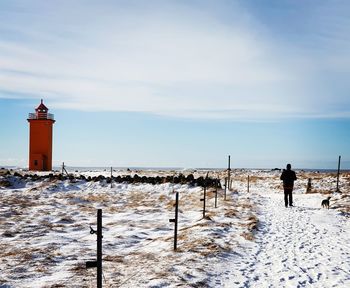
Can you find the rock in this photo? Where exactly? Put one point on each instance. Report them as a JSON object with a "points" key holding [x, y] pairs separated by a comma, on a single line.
{"points": [[5, 183]]}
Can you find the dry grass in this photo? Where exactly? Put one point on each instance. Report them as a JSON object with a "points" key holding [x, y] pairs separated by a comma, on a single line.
{"points": [[97, 198], [217, 233], [22, 202], [248, 236], [231, 213], [114, 258]]}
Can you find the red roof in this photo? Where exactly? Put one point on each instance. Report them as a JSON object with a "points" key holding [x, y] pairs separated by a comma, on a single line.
{"points": [[42, 106]]}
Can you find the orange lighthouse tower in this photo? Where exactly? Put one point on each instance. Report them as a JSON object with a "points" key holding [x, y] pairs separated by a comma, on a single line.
{"points": [[40, 139]]}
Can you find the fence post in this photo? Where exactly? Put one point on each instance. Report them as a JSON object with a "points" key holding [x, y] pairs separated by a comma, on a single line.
{"points": [[309, 186], [216, 193], [98, 262], [64, 169], [248, 183], [175, 219], [225, 189], [338, 174], [111, 176], [229, 172], [203, 199], [99, 248]]}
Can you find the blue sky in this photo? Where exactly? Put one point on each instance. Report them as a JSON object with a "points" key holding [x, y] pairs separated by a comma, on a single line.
{"points": [[178, 83]]}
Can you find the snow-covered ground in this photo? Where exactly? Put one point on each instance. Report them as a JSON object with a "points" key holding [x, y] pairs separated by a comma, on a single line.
{"points": [[302, 246], [45, 239]]}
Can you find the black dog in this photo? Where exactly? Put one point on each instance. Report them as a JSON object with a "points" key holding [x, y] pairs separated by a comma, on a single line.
{"points": [[325, 202]]}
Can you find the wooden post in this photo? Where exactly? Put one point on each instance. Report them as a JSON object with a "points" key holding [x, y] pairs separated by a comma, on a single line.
{"points": [[111, 176], [99, 248], [309, 186], [175, 219], [229, 172], [205, 193], [203, 199], [174, 182], [338, 174], [64, 169], [248, 183], [216, 193], [225, 189]]}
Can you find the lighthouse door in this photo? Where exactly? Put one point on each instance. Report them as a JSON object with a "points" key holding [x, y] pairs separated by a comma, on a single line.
{"points": [[38, 161]]}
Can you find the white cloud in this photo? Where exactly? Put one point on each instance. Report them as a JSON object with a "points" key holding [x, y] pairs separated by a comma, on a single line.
{"points": [[168, 59]]}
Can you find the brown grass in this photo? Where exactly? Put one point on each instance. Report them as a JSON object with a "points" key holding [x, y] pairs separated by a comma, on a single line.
{"points": [[248, 236], [97, 198], [231, 213], [254, 179], [114, 258]]}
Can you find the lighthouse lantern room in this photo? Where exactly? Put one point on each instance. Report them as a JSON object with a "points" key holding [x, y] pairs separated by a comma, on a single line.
{"points": [[40, 139]]}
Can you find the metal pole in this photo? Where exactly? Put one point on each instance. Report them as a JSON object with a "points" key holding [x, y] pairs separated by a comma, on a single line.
{"points": [[62, 167], [99, 248], [175, 219], [205, 192], [338, 174]]}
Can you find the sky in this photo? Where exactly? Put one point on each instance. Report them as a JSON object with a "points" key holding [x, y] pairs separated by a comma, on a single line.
{"points": [[178, 83]]}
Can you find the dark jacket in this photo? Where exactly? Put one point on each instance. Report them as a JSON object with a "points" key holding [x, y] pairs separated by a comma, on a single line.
{"points": [[288, 177]]}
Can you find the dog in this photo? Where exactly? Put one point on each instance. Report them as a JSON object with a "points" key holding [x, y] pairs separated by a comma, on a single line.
{"points": [[325, 202]]}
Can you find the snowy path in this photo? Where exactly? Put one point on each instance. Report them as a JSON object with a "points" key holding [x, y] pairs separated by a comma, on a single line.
{"points": [[302, 246]]}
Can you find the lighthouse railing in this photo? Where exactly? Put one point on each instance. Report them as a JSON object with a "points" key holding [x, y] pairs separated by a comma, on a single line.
{"points": [[33, 116]]}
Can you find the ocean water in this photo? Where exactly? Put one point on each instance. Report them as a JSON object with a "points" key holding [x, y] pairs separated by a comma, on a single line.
{"points": [[177, 169]]}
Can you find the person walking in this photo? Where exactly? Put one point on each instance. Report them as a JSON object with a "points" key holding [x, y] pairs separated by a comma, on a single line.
{"points": [[288, 177]]}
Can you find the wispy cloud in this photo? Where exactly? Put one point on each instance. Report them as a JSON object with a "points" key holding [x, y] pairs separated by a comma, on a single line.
{"points": [[169, 58]]}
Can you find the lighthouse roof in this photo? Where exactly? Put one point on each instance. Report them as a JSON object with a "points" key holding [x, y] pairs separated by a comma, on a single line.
{"points": [[42, 107]]}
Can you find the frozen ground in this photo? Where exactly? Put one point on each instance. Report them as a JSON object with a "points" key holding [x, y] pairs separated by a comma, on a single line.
{"points": [[302, 246], [45, 240]]}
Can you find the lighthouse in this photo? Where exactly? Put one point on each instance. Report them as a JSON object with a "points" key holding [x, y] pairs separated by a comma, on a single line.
{"points": [[40, 139]]}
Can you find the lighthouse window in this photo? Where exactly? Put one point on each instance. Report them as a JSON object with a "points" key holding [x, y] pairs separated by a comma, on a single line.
{"points": [[35, 162]]}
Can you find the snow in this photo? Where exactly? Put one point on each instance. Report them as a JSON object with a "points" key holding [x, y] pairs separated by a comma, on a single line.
{"points": [[301, 246], [250, 240]]}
